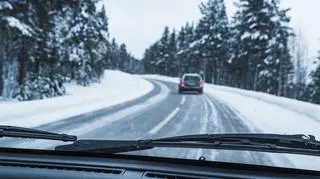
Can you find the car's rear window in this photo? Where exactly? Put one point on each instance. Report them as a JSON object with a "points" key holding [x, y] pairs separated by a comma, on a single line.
{"points": [[192, 78]]}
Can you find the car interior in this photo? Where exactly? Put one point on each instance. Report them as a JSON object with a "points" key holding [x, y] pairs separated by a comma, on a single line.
{"points": [[24, 163]]}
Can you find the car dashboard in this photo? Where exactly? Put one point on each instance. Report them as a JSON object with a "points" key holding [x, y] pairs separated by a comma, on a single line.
{"points": [[23, 163]]}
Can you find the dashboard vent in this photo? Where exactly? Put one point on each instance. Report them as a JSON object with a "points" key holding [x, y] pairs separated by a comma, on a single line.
{"points": [[66, 167], [172, 176]]}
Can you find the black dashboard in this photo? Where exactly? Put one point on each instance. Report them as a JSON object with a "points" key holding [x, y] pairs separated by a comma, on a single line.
{"points": [[23, 163]]}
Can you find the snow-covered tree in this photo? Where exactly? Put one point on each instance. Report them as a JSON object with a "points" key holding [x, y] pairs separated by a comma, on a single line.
{"points": [[124, 56], [261, 49], [172, 59], [46, 43], [212, 39], [252, 31], [313, 90], [150, 59], [163, 58], [184, 39], [182, 46], [16, 39], [299, 53], [114, 54]]}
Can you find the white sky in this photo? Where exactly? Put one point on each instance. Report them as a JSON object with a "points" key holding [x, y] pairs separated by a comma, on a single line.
{"points": [[138, 23]]}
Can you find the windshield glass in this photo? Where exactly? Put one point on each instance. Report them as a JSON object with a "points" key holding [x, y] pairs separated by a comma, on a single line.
{"points": [[195, 79], [114, 69]]}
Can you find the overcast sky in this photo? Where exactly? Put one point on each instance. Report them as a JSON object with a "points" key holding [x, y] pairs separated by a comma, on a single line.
{"points": [[138, 23]]}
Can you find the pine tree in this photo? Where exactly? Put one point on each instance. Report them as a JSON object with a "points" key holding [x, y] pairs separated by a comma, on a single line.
{"points": [[114, 54], [123, 57], [212, 35], [87, 30], [104, 45], [190, 63], [181, 48], [46, 43], [252, 27], [5, 7], [299, 53], [277, 73], [163, 58], [313, 91], [18, 33], [172, 60], [261, 51], [284, 59], [150, 59], [184, 40]]}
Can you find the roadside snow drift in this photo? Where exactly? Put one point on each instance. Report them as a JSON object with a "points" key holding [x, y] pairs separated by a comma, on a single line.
{"points": [[305, 108], [269, 113], [116, 87], [272, 114], [265, 113]]}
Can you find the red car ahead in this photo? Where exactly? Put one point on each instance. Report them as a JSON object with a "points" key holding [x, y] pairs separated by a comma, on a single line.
{"points": [[191, 82]]}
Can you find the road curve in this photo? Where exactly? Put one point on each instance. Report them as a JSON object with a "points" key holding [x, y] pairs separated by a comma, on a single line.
{"points": [[161, 113]]}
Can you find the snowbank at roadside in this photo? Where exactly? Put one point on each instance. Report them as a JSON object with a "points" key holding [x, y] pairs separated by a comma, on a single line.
{"points": [[269, 114], [305, 108], [116, 87], [163, 78]]}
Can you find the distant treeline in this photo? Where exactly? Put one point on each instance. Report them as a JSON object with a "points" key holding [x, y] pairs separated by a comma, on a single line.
{"points": [[255, 50]]}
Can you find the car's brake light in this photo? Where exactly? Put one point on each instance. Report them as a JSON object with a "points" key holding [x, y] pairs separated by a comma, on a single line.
{"points": [[201, 83], [182, 83]]}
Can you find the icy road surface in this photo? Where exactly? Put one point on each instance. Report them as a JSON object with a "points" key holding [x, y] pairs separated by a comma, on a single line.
{"points": [[163, 112]]}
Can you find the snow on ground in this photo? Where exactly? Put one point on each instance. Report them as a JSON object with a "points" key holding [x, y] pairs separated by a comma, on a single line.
{"points": [[269, 114], [305, 108], [116, 87], [163, 78]]}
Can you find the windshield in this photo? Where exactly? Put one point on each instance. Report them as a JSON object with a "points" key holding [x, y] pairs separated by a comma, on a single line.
{"points": [[195, 79], [149, 69]]}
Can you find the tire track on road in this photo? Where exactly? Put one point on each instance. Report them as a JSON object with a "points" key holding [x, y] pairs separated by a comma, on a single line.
{"points": [[207, 119], [140, 122], [204, 124], [75, 121], [90, 122], [230, 122]]}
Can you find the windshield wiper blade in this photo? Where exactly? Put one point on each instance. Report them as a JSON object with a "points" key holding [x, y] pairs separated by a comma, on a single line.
{"points": [[297, 140], [106, 146], [293, 144], [21, 132]]}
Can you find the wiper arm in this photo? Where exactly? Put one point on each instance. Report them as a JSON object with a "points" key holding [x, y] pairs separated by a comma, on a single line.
{"points": [[297, 140], [21, 132], [276, 143], [294, 144]]}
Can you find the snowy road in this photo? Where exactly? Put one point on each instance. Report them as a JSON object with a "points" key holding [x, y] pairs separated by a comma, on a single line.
{"points": [[161, 113]]}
